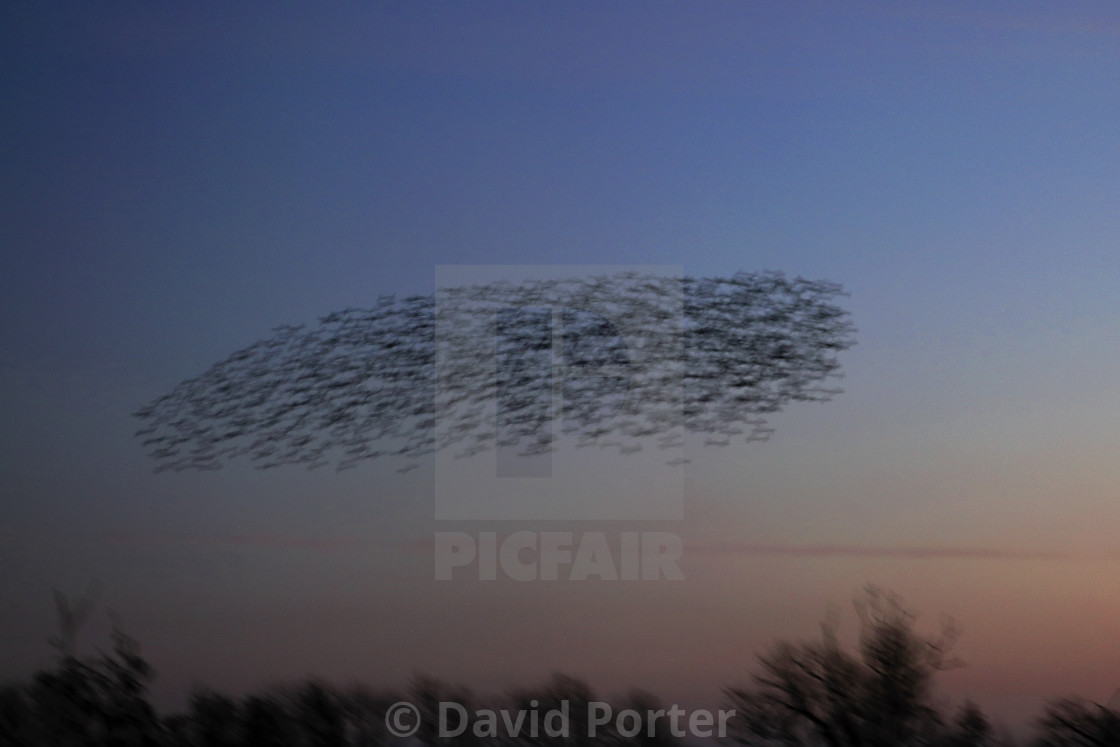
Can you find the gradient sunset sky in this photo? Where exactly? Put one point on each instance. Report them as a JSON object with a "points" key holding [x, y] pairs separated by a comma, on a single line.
{"points": [[178, 180]]}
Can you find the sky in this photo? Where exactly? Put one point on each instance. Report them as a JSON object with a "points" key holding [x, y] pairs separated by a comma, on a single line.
{"points": [[179, 180]]}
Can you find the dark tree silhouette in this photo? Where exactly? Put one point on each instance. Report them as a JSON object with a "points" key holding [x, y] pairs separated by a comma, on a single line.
{"points": [[267, 722], [644, 704], [89, 701], [818, 693], [552, 695], [216, 718], [810, 694], [322, 715], [1076, 722], [366, 711], [427, 693], [18, 725], [970, 728], [638, 356]]}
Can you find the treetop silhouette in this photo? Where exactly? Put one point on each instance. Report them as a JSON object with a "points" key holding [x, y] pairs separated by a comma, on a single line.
{"points": [[818, 693]]}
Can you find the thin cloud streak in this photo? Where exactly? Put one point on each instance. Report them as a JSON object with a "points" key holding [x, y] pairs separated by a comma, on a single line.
{"points": [[240, 540], [860, 551]]}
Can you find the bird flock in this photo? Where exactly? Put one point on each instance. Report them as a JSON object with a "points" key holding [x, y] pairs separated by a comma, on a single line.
{"points": [[612, 361]]}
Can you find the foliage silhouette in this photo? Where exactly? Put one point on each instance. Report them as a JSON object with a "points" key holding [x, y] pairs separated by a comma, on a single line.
{"points": [[818, 693], [552, 695], [1076, 722], [814, 693], [641, 357], [972, 728], [427, 693], [90, 701], [266, 722]]}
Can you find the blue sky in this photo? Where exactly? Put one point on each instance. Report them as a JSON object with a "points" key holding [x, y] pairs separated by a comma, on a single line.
{"points": [[179, 180]]}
